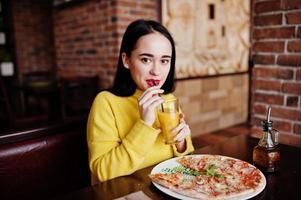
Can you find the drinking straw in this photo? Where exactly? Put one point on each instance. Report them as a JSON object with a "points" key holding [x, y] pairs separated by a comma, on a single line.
{"points": [[162, 107], [155, 84]]}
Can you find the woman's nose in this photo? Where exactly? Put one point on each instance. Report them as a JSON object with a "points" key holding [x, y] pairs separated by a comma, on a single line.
{"points": [[155, 70]]}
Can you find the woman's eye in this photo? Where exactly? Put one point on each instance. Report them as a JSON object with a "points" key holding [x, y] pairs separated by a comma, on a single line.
{"points": [[145, 60], [165, 61]]}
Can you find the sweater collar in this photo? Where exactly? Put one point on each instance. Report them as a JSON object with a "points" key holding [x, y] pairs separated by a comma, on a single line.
{"points": [[138, 93]]}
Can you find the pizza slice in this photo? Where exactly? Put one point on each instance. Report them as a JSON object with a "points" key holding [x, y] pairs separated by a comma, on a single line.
{"points": [[179, 183]]}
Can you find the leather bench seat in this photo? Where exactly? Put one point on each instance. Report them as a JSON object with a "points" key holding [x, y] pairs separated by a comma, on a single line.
{"points": [[44, 167]]}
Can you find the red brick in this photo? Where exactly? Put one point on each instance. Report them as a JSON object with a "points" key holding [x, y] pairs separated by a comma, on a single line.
{"points": [[282, 126], [268, 47], [297, 129], [267, 6], [123, 3], [264, 59], [137, 12], [259, 109], [266, 20], [273, 33], [298, 75], [256, 131], [289, 60], [285, 113], [256, 121], [294, 46], [149, 5], [91, 9], [292, 101], [292, 88], [293, 18], [273, 72], [299, 32], [269, 98], [291, 4], [266, 85]]}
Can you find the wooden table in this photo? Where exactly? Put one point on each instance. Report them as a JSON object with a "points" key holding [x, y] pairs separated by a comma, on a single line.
{"points": [[285, 184]]}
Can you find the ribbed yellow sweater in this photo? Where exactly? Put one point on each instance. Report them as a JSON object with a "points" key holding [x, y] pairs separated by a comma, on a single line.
{"points": [[120, 142]]}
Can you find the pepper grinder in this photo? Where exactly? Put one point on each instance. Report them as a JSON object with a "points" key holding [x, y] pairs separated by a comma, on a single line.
{"points": [[266, 155]]}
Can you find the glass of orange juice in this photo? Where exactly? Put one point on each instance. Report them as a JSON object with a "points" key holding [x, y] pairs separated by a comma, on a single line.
{"points": [[168, 115]]}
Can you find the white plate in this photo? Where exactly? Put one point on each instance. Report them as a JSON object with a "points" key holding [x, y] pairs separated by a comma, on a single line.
{"points": [[171, 163]]}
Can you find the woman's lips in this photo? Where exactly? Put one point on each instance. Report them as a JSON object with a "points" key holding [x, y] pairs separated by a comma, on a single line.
{"points": [[152, 82]]}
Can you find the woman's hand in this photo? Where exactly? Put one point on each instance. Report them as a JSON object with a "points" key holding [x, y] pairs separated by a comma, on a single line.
{"points": [[180, 133], [148, 103]]}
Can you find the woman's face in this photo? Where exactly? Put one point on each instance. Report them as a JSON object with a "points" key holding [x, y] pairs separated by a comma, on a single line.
{"points": [[150, 60]]}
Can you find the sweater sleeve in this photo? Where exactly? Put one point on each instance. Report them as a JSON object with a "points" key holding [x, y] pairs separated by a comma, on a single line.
{"points": [[189, 147], [109, 156]]}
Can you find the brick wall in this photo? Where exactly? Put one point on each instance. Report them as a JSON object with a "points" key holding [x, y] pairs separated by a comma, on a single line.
{"points": [[33, 36], [276, 75], [88, 35]]}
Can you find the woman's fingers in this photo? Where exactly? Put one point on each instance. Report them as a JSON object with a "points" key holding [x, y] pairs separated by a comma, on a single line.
{"points": [[152, 103], [178, 128], [183, 133], [182, 115], [182, 118], [148, 101], [181, 136], [149, 93], [182, 130]]}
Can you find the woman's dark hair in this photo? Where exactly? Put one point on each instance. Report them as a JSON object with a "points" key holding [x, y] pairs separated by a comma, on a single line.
{"points": [[123, 84]]}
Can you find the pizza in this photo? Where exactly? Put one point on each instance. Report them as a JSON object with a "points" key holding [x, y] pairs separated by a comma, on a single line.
{"points": [[210, 177]]}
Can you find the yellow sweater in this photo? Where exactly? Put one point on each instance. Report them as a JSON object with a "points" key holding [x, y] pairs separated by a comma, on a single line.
{"points": [[120, 142]]}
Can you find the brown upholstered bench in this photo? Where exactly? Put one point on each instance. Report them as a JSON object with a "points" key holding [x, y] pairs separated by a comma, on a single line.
{"points": [[53, 161]]}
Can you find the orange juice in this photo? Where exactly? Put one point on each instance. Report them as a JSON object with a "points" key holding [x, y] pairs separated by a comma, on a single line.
{"points": [[169, 119]]}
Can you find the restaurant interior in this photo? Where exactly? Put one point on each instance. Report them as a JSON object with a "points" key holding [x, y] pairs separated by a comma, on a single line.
{"points": [[57, 55]]}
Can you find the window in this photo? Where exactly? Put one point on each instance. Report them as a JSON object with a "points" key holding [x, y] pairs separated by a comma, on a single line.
{"points": [[211, 11]]}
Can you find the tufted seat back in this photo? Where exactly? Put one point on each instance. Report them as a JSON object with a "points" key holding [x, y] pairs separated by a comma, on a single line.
{"points": [[44, 167]]}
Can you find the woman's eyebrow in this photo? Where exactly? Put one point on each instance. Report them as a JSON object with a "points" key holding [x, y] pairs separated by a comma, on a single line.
{"points": [[146, 54], [151, 55]]}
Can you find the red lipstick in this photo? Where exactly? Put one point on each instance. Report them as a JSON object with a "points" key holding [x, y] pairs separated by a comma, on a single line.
{"points": [[152, 82]]}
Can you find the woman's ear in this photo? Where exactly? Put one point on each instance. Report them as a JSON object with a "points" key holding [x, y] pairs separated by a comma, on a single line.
{"points": [[125, 60]]}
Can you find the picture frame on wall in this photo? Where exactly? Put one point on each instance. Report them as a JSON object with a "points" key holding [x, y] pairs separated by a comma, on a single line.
{"points": [[211, 36]]}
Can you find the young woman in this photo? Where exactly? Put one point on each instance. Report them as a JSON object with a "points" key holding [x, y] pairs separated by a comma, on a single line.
{"points": [[123, 132]]}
